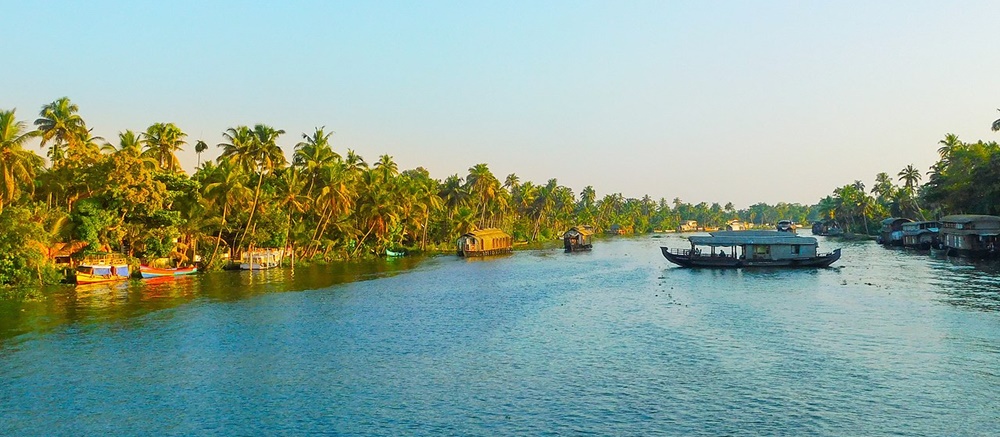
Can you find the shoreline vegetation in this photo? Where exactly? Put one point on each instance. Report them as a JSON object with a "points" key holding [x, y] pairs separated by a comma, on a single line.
{"points": [[130, 195]]}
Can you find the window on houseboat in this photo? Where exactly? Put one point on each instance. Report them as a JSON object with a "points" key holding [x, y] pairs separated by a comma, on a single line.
{"points": [[796, 249]]}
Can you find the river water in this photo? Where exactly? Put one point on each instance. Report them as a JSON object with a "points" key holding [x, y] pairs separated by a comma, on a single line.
{"points": [[616, 341]]}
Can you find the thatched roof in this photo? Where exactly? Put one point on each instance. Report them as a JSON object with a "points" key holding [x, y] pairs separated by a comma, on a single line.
{"points": [[486, 233]]}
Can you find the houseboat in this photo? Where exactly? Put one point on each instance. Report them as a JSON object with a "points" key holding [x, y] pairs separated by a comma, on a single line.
{"points": [[483, 242], [689, 226], [578, 238], [973, 236], [102, 268], [827, 228], [785, 226], [750, 249], [735, 225], [920, 235], [891, 233], [261, 259]]}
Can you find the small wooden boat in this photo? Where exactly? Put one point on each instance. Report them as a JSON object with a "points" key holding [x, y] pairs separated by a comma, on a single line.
{"points": [[261, 259], [153, 272], [391, 253], [759, 249], [102, 268]]}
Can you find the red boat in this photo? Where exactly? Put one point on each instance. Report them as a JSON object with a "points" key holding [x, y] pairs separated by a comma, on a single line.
{"points": [[153, 272]]}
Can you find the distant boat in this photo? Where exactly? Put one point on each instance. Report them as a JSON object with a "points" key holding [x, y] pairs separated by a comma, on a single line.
{"points": [[786, 226], [891, 233], [261, 259], [484, 242], [578, 238], [759, 249], [102, 268], [391, 253], [153, 272]]}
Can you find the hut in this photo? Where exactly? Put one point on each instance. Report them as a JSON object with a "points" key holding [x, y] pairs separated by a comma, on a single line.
{"points": [[920, 235], [891, 233], [489, 241], [578, 238], [974, 236]]}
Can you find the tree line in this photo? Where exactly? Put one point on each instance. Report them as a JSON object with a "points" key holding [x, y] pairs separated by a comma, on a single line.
{"points": [[129, 194], [964, 180]]}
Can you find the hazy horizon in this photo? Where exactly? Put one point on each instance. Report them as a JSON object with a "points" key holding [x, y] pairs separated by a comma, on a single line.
{"points": [[705, 101]]}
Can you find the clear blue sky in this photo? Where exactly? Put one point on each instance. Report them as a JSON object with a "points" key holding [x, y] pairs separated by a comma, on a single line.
{"points": [[706, 101]]}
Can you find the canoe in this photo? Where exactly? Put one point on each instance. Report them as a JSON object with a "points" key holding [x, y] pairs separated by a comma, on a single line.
{"points": [[392, 253], [152, 272]]}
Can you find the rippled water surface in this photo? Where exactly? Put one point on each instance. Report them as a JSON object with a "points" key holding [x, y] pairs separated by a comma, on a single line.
{"points": [[612, 342]]}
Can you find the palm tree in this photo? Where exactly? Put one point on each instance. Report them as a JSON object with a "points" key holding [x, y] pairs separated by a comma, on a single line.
{"points": [[948, 146], [387, 169], [17, 166], [225, 192], [909, 176], [200, 147], [59, 123], [483, 185], [314, 155], [162, 140], [291, 199]]}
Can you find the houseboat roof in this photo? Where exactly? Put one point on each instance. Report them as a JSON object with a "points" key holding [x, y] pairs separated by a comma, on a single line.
{"points": [[916, 225], [892, 220], [739, 238], [582, 230], [484, 233], [969, 218]]}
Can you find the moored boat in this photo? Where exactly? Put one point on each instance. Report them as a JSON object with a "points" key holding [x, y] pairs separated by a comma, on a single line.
{"points": [[973, 236], [261, 259], [491, 241], [578, 238], [785, 226], [750, 249], [393, 254], [891, 233], [102, 268], [153, 272], [920, 235]]}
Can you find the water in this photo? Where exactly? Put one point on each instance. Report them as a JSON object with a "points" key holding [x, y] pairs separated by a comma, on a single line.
{"points": [[612, 342]]}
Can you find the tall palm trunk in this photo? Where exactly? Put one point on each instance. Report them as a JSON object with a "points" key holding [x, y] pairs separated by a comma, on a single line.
{"points": [[256, 197], [218, 238]]}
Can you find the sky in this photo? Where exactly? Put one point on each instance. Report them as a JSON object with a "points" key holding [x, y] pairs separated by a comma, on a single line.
{"points": [[714, 101]]}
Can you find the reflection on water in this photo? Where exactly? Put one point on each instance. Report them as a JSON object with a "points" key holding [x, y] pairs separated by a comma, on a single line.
{"points": [[615, 341], [103, 302]]}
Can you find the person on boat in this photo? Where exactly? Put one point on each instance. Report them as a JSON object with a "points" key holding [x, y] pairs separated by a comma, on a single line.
{"points": [[722, 254]]}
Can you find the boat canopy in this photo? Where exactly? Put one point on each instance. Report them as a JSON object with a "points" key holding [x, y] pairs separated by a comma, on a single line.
{"points": [[759, 238]]}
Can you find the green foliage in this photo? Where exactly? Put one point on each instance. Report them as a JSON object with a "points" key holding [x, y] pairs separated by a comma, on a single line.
{"points": [[22, 260]]}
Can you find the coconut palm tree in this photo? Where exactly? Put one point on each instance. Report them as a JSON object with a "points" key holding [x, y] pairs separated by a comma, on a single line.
{"points": [[59, 123], [17, 166], [387, 169], [200, 147], [225, 192], [314, 156], [162, 140]]}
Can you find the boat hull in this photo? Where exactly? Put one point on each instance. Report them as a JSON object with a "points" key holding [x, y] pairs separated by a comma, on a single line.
{"points": [[84, 278], [151, 272], [712, 262]]}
